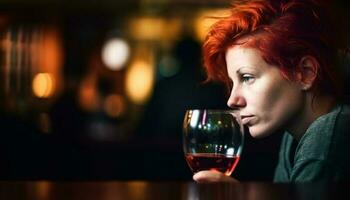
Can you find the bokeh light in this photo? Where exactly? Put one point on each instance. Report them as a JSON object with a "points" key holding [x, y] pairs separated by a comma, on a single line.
{"points": [[168, 66], [114, 105], [205, 19], [47, 54], [88, 95], [115, 53], [139, 82], [154, 28], [43, 85], [44, 122]]}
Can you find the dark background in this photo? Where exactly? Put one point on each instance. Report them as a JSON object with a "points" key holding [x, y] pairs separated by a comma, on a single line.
{"points": [[142, 144]]}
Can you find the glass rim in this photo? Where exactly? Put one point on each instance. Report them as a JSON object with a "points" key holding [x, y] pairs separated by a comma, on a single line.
{"points": [[215, 111]]}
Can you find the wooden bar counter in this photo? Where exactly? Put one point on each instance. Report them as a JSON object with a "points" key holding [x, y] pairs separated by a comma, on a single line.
{"points": [[143, 190]]}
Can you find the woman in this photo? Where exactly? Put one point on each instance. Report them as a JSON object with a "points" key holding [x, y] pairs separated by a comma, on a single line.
{"points": [[280, 61]]}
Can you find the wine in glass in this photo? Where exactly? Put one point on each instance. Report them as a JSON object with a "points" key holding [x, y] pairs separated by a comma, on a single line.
{"points": [[212, 140]]}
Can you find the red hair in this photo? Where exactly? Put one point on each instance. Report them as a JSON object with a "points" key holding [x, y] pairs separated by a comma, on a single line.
{"points": [[283, 31]]}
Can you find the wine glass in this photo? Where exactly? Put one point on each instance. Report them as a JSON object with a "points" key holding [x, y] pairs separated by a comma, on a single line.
{"points": [[212, 140]]}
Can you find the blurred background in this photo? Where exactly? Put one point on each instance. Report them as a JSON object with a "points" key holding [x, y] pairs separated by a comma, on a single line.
{"points": [[97, 90]]}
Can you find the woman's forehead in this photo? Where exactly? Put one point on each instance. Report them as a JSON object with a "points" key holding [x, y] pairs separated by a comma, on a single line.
{"points": [[241, 55]]}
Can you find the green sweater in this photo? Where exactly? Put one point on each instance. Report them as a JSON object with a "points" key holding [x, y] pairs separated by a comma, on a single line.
{"points": [[322, 154]]}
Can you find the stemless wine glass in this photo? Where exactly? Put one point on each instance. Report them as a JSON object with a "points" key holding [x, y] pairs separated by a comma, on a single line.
{"points": [[212, 140]]}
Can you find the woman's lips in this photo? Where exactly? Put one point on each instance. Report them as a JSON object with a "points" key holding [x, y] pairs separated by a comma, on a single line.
{"points": [[248, 120]]}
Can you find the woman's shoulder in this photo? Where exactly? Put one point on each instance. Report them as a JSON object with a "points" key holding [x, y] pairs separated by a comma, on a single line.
{"points": [[325, 145], [324, 132], [330, 122]]}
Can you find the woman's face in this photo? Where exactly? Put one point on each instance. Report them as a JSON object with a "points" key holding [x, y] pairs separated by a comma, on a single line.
{"points": [[265, 100]]}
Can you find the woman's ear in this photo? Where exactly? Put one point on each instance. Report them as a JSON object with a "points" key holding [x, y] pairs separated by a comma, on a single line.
{"points": [[307, 72]]}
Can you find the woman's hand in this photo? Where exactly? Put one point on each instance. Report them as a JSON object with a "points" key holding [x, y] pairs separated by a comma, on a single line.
{"points": [[212, 177]]}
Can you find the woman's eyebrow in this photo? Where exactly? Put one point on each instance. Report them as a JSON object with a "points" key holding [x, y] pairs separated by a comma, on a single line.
{"points": [[239, 70]]}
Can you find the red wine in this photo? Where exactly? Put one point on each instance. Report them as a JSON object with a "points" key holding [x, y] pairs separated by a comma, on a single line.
{"points": [[210, 161]]}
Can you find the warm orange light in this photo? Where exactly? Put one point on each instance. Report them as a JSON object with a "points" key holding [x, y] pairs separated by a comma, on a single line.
{"points": [[205, 19], [114, 105], [140, 192], [88, 95], [44, 122], [139, 81], [47, 54], [154, 28], [43, 85], [42, 189], [51, 51], [146, 28]]}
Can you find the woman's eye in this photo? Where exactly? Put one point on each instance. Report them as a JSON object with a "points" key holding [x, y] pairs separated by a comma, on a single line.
{"points": [[247, 78]]}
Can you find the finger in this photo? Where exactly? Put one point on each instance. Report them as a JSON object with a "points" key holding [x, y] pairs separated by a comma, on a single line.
{"points": [[212, 176]]}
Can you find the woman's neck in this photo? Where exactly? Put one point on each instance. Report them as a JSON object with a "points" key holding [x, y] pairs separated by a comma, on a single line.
{"points": [[314, 107]]}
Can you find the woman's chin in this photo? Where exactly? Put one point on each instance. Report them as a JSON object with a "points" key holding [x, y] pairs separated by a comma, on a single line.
{"points": [[257, 132]]}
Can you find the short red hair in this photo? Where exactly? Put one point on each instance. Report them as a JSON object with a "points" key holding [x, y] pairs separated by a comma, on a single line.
{"points": [[283, 31]]}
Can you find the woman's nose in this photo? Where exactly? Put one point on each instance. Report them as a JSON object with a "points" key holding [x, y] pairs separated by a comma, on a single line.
{"points": [[236, 100]]}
